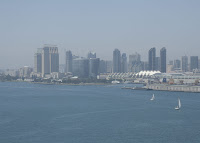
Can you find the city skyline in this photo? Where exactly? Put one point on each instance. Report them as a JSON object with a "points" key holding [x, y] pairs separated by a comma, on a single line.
{"points": [[99, 71], [46, 65], [131, 26], [93, 65], [62, 57], [131, 57]]}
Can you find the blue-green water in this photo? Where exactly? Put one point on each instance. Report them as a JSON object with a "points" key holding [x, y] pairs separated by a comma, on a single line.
{"points": [[34, 113]]}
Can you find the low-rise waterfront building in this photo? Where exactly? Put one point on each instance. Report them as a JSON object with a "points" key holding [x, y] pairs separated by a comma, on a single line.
{"points": [[25, 72], [179, 88]]}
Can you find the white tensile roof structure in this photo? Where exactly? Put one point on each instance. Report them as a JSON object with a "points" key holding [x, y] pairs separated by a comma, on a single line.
{"points": [[147, 73]]}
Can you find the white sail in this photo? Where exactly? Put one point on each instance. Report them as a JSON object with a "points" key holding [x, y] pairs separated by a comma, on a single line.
{"points": [[179, 103], [153, 97]]}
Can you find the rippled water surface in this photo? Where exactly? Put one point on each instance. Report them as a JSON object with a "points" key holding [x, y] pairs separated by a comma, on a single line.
{"points": [[35, 113]]}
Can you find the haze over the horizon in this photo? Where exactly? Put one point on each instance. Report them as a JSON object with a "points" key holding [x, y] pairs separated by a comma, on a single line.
{"points": [[99, 26]]}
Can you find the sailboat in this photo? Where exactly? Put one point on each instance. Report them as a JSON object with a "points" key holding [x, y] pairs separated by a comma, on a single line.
{"points": [[179, 105], [153, 97]]}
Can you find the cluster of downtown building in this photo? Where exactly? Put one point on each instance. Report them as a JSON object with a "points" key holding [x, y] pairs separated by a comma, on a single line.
{"points": [[135, 64], [46, 64], [154, 63]]}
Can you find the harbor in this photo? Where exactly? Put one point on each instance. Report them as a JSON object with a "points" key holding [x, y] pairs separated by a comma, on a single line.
{"points": [[178, 88], [166, 87]]}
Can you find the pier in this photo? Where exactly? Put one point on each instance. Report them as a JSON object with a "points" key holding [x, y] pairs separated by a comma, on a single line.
{"points": [[179, 88]]}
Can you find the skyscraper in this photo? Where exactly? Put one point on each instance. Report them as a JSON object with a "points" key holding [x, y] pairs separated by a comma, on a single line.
{"points": [[91, 55], [80, 67], [145, 65], [177, 64], [102, 66], [163, 61], [134, 57], [94, 67], [54, 59], [184, 63], [194, 62], [152, 59], [68, 62], [50, 60], [116, 61], [38, 61], [109, 67], [199, 64], [45, 61], [135, 64], [124, 67], [158, 63]]}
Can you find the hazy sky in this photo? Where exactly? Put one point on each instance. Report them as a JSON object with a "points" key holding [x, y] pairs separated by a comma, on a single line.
{"points": [[100, 26]]}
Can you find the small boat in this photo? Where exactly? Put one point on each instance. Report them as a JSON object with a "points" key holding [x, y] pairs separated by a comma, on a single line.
{"points": [[115, 82], [179, 105], [153, 97]]}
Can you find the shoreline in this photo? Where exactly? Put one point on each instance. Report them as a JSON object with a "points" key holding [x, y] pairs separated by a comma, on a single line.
{"points": [[61, 83], [71, 83]]}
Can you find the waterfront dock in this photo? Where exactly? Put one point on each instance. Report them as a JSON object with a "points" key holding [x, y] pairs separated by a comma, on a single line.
{"points": [[179, 88]]}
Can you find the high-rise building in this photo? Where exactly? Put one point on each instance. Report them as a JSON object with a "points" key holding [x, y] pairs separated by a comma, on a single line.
{"points": [[91, 55], [45, 61], [184, 63], [54, 59], [102, 66], [50, 60], [199, 64], [158, 63], [194, 62], [38, 61], [94, 67], [145, 66], [68, 62], [124, 66], [134, 57], [137, 67], [163, 60], [177, 64], [152, 59], [80, 67], [109, 67], [135, 64], [116, 61]]}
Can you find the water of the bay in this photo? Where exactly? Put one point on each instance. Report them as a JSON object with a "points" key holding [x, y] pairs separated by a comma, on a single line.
{"points": [[37, 113]]}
